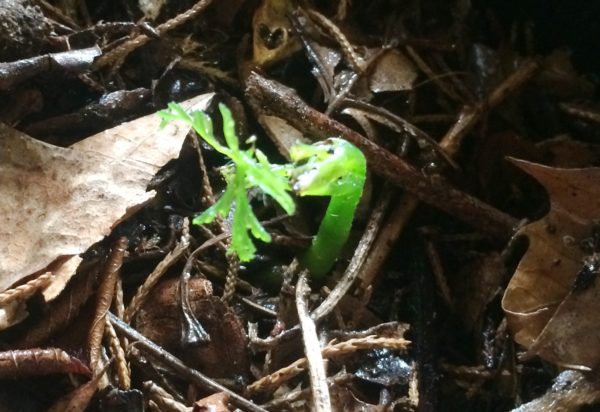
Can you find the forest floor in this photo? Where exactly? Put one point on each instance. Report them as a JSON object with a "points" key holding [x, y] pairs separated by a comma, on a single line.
{"points": [[468, 279]]}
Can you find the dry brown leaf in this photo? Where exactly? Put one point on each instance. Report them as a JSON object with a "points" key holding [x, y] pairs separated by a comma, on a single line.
{"points": [[393, 72], [544, 312], [56, 202], [281, 133], [218, 402], [272, 33]]}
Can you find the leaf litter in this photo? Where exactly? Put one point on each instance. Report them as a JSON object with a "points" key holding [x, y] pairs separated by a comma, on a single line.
{"points": [[455, 73], [57, 202]]}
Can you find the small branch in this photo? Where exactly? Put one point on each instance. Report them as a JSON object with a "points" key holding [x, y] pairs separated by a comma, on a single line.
{"points": [[277, 378], [119, 54], [178, 366], [470, 115], [105, 294], [26, 290], [281, 101], [318, 377], [142, 293]]}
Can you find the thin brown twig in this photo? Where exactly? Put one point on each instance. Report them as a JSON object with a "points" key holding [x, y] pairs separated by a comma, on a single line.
{"points": [[580, 112], [118, 54], [284, 102], [143, 291], [26, 290], [277, 378], [283, 402], [104, 298], [354, 59], [231, 279], [179, 367], [123, 372], [321, 401], [470, 115], [163, 399], [450, 144]]}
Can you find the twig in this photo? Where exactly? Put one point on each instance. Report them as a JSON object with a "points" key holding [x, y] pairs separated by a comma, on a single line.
{"points": [[62, 310], [277, 378], [118, 54], [581, 112], [318, 377], [284, 102], [123, 372], [142, 293], [470, 115], [163, 399], [284, 401], [348, 50], [233, 265], [450, 144], [26, 290], [434, 77], [178, 366], [105, 294]]}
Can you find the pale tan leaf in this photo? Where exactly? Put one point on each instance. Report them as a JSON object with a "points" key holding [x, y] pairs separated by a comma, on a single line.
{"points": [[56, 202], [392, 72]]}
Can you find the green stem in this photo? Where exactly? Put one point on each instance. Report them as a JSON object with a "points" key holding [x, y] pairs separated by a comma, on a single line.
{"points": [[332, 235], [333, 168]]}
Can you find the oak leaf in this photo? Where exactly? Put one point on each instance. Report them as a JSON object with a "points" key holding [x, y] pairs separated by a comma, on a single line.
{"points": [[56, 202], [548, 308]]}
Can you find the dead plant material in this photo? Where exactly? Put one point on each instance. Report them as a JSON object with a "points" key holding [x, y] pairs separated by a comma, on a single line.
{"points": [[179, 367], [37, 362], [17, 72], [62, 311], [281, 101], [25, 291], [79, 399], [118, 55], [219, 402], [143, 291], [321, 401], [104, 298], [123, 371], [274, 380], [163, 399]]}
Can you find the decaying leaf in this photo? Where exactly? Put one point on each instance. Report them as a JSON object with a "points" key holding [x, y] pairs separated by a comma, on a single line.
{"points": [[392, 72], [281, 133], [217, 402], [56, 202], [272, 33], [37, 362], [552, 303]]}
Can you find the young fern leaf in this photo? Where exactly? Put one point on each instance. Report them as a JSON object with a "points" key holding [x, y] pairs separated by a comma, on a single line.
{"points": [[332, 168], [250, 169]]}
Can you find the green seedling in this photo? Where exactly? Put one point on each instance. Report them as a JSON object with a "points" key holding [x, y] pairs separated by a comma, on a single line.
{"points": [[333, 168]]}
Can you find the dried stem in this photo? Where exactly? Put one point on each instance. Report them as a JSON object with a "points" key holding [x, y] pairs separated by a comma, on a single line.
{"points": [[318, 377], [26, 290], [123, 372], [281, 101], [163, 399], [105, 294], [142, 293], [277, 378], [178, 366], [118, 54]]}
